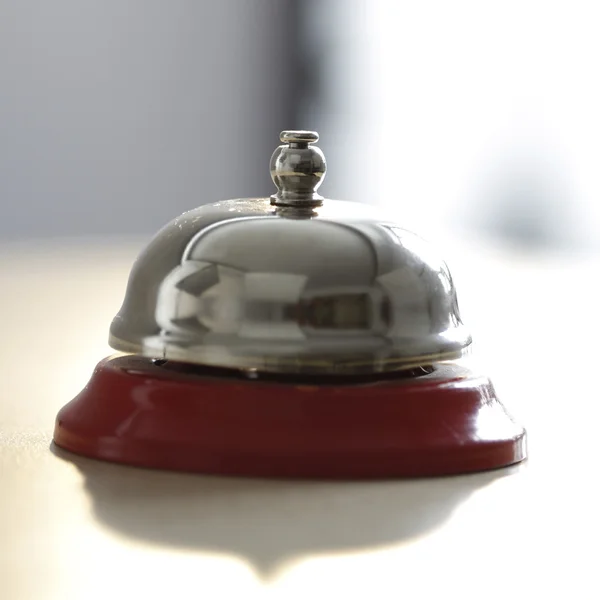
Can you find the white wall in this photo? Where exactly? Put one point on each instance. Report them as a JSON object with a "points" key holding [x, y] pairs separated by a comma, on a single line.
{"points": [[479, 116]]}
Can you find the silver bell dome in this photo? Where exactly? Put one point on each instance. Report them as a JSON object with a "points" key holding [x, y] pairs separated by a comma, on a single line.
{"points": [[291, 284]]}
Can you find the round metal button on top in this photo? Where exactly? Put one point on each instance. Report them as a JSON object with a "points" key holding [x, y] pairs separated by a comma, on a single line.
{"points": [[298, 169]]}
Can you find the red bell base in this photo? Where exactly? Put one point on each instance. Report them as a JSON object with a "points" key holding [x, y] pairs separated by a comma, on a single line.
{"points": [[139, 413]]}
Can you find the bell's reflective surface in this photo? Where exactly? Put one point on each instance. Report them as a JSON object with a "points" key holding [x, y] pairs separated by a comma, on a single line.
{"points": [[292, 284]]}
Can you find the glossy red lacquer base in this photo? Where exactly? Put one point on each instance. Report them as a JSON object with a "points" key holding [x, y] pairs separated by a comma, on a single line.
{"points": [[138, 413]]}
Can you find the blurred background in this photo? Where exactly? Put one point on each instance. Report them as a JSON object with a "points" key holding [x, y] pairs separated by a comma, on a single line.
{"points": [[469, 117]]}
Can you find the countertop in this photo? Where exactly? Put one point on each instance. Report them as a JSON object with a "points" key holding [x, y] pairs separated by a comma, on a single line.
{"points": [[72, 528]]}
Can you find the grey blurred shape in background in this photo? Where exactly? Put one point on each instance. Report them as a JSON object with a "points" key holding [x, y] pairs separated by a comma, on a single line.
{"points": [[116, 116]]}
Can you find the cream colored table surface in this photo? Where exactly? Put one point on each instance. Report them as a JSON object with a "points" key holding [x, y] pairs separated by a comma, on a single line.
{"points": [[76, 528]]}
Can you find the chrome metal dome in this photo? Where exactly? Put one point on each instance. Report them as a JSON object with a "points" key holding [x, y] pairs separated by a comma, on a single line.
{"points": [[292, 283]]}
